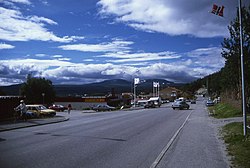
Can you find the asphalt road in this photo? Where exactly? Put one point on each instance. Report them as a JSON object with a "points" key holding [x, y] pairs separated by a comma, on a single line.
{"points": [[94, 140]]}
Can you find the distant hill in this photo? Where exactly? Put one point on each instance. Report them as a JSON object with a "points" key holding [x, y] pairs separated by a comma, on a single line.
{"points": [[12, 90], [97, 89]]}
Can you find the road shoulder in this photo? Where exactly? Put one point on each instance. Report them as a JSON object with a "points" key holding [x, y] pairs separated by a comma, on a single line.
{"points": [[198, 145]]}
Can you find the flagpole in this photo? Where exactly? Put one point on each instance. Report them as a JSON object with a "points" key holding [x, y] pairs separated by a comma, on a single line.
{"points": [[153, 88], [158, 89], [242, 74], [134, 93]]}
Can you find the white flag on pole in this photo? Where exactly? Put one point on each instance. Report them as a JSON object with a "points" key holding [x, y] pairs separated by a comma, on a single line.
{"points": [[136, 81], [156, 84]]}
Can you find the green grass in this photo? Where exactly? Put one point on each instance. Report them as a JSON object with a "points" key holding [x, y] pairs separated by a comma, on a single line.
{"points": [[223, 110], [238, 146]]}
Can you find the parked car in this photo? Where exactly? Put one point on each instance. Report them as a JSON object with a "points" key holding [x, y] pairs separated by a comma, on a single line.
{"points": [[193, 101], [153, 102], [103, 107], [180, 105], [31, 114], [209, 103], [150, 104], [41, 110], [58, 107]]}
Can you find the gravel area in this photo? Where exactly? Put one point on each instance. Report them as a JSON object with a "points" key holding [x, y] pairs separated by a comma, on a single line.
{"points": [[217, 124]]}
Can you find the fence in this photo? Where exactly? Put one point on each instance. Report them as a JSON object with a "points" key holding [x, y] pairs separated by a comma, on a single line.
{"points": [[7, 105]]}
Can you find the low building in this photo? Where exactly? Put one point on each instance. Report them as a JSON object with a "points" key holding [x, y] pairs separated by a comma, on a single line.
{"points": [[81, 103], [170, 93]]}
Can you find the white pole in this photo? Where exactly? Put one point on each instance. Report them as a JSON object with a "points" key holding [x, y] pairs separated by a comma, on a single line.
{"points": [[134, 93], [153, 89], [159, 90], [242, 73]]}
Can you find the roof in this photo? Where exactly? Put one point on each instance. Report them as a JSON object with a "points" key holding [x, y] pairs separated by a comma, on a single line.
{"points": [[153, 99]]}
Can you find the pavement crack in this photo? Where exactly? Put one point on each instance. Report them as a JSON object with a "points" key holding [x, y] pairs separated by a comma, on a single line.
{"points": [[58, 135], [114, 139], [41, 133], [1, 139]]}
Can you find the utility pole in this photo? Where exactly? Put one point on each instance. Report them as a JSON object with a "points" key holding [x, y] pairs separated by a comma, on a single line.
{"points": [[134, 94], [43, 94], [242, 75]]}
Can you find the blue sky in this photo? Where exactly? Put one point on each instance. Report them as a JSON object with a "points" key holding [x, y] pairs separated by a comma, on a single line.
{"points": [[84, 41]]}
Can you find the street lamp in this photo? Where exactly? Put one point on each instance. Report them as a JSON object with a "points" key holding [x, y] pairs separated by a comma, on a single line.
{"points": [[136, 81], [43, 94]]}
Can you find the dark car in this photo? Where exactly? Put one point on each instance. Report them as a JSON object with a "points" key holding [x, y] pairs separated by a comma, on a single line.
{"points": [[58, 107], [193, 101], [31, 114], [209, 103], [149, 104], [180, 105], [103, 107]]}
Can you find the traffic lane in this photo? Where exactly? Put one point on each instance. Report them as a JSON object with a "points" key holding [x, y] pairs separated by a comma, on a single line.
{"points": [[133, 139], [141, 147]]}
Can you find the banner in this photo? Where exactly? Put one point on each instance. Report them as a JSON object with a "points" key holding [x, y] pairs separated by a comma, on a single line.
{"points": [[156, 84], [136, 81], [217, 10]]}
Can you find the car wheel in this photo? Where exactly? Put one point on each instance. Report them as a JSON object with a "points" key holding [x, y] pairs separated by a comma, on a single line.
{"points": [[173, 108]]}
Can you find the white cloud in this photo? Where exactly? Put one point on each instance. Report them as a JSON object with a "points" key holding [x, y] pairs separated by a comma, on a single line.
{"points": [[45, 2], [64, 59], [40, 55], [207, 57], [27, 2], [121, 57], [40, 20], [116, 45], [57, 56], [13, 2], [170, 17], [89, 60], [16, 27], [6, 46], [200, 62]]}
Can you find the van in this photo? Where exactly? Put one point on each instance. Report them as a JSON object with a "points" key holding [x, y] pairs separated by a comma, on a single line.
{"points": [[153, 102]]}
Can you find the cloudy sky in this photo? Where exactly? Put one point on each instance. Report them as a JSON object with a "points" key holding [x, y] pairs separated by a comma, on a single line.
{"points": [[83, 41]]}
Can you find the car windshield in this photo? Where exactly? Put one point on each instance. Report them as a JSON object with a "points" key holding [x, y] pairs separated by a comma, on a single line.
{"points": [[42, 107]]}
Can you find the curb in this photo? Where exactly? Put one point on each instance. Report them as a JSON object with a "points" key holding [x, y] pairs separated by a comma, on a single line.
{"points": [[35, 124]]}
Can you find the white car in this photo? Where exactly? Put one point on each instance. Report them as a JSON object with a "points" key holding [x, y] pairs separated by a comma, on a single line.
{"points": [[180, 105]]}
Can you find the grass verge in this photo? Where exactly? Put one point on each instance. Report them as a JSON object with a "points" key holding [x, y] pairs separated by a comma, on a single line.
{"points": [[238, 146], [223, 110]]}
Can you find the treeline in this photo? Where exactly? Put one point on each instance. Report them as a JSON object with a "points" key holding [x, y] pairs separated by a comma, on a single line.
{"points": [[227, 81]]}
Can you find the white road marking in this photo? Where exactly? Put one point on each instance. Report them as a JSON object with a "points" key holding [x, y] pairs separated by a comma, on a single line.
{"points": [[165, 149]]}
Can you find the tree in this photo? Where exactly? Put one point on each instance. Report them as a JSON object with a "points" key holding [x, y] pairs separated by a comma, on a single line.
{"points": [[38, 90], [228, 79], [231, 73]]}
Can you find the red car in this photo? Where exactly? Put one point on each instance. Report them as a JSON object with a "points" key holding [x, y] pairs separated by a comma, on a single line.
{"points": [[58, 107]]}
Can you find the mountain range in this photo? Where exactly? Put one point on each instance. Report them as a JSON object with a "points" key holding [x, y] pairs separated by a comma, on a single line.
{"points": [[97, 89]]}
